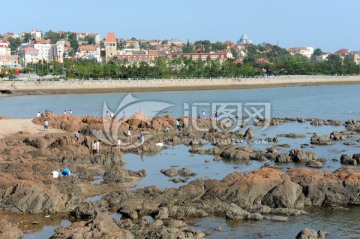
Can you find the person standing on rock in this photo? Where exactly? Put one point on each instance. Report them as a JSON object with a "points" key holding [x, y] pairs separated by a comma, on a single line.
{"points": [[118, 144], [98, 146], [94, 146], [77, 137], [178, 124], [203, 114], [141, 137], [65, 112], [70, 112], [46, 125], [129, 135]]}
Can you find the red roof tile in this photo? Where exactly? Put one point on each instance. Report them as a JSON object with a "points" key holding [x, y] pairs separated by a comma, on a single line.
{"points": [[110, 37]]}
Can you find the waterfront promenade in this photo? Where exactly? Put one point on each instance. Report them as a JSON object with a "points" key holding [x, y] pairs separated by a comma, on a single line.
{"points": [[128, 85]]}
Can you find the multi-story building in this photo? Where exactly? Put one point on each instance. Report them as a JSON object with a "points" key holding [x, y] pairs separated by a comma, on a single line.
{"points": [[44, 51], [304, 51], [109, 47], [28, 55], [57, 52], [138, 56], [199, 56], [9, 61]]}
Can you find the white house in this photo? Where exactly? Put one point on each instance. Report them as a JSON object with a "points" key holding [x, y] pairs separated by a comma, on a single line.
{"points": [[89, 52], [4, 48], [36, 33], [305, 51], [96, 36]]}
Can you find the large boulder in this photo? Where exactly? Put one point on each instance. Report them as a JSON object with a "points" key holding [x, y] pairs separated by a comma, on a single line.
{"points": [[235, 155], [326, 189], [9, 231], [347, 159], [299, 155], [308, 233], [287, 195], [249, 134], [100, 227], [85, 210], [283, 158]]}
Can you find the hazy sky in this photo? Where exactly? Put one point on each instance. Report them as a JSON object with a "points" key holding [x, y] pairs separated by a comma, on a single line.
{"points": [[326, 24]]}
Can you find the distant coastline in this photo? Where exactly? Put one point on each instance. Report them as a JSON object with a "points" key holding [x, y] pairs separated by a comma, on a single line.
{"points": [[110, 86]]}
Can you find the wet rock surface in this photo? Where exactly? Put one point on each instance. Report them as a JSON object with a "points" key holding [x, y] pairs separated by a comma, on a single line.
{"points": [[9, 231], [308, 233]]}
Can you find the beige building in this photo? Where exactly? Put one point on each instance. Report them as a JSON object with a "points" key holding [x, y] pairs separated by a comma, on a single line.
{"points": [[28, 55], [110, 46]]}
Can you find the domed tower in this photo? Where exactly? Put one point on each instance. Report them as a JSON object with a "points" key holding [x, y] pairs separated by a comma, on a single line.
{"points": [[244, 39]]}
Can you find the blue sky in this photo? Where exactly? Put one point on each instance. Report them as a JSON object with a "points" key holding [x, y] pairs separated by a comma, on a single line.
{"points": [[326, 24]]}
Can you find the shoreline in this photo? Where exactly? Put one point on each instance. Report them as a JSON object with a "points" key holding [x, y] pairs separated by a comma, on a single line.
{"points": [[8, 88]]}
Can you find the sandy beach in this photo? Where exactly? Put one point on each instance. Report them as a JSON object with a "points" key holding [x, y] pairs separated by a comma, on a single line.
{"points": [[134, 85], [9, 127]]}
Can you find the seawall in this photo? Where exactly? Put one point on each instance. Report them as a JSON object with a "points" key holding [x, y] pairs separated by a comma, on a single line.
{"points": [[115, 85]]}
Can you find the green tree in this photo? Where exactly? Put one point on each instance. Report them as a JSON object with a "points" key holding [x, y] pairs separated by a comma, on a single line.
{"points": [[90, 40], [27, 38], [53, 36], [14, 44], [317, 52], [187, 48], [73, 40]]}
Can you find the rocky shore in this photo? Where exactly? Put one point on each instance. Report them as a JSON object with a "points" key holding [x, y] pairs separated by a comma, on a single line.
{"points": [[28, 158]]}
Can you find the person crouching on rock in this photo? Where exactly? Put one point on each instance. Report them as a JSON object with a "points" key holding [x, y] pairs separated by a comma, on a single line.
{"points": [[65, 172]]}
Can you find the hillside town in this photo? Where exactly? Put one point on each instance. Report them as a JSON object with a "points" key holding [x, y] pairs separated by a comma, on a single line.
{"points": [[20, 50], [76, 55]]}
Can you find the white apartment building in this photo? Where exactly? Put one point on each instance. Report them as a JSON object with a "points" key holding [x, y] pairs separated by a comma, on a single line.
{"points": [[44, 51]]}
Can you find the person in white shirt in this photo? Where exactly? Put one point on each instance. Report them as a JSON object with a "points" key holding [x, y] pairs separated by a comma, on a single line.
{"points": [[118, 144], [38, 114], [129, 135], [46, 125], [94, 146], [65, 112], [98, 146], [55, 174]]}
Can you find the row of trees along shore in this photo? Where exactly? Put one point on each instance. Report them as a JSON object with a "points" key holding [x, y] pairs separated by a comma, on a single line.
{"points": [[275, 61]]}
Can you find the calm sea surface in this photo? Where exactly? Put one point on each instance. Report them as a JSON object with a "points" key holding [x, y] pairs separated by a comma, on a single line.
{"points": [[323, 102]]}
